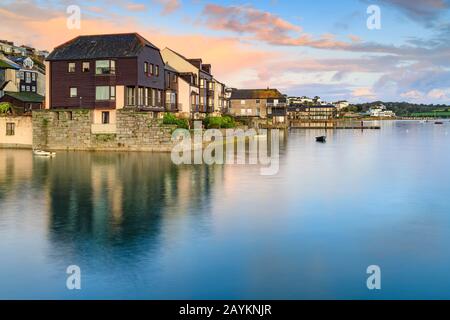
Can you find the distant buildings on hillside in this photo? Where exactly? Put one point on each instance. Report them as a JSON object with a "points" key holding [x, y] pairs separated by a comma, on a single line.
{"points": [[9, 48], [22, 77], [381, 111]]}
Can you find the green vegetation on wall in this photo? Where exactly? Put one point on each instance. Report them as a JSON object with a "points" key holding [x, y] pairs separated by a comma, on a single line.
{"points": [[5, 107], [171, 119], [219, 122]]}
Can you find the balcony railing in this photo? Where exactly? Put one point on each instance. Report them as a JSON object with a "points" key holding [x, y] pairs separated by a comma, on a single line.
{"points": [[171, 106], [278, 105]]}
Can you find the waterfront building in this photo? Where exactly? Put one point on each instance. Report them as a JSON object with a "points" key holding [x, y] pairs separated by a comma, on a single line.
{"points": [[105, 73], [341, 104], [171, 88], [198, 86], [312, 113], [381, 111], [21, 74], [7, 75], [220, 99], [24, 102], [262, 103]]}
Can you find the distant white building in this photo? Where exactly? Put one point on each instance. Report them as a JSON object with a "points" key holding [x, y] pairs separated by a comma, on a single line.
{"points": [[381, 111], [299, 100], [341, 105]]}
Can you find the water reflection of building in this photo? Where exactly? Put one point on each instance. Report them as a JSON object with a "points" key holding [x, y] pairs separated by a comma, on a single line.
{"points": [[15, 171], [122, 201]]}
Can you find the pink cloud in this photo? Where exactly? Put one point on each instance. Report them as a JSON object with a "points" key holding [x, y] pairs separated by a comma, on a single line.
{"points": [[169, 6], [135, 6], [363, 92], [263, 26]]}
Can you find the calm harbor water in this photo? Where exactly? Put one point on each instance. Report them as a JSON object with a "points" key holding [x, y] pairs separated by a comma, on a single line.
{"points": [[140, 227]]}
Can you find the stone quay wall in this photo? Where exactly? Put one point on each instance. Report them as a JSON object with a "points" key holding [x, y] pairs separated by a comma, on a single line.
{"points": [[73, 130]]}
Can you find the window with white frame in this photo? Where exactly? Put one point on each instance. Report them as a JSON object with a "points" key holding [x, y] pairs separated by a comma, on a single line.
{"points": [[73, 92], [103, 93]]}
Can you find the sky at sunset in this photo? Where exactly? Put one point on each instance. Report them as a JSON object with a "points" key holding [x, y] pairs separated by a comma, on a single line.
{"points": [[307, 48]]}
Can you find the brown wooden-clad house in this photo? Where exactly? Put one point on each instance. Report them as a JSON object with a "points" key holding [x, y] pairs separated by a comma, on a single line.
{"points": [[105, 73]]}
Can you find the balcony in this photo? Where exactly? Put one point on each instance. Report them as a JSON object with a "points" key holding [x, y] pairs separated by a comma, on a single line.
{"points": [[171, 107], [151, 108], [278, 105]]}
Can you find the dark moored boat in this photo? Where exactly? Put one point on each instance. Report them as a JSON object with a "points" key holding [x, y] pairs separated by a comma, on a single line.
{"points": [[438, 122], [321, 139]]}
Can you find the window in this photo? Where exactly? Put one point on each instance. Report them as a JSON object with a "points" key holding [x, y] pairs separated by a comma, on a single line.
{"points": [[168, 79], [33, 88], [243, 102], [151, 69], [28, 88], [27, 77], [103, 67], [21, 75], [22, 88], [71, 67], [159, 97], [146, 96], [73, 92], [258, 101], [140, 96], [130, 96], [153, 97], [157, 70], [202, 83], [33, 76], [10, 129], [105, 117], [146, 67], [86, 66], [103, 93]]}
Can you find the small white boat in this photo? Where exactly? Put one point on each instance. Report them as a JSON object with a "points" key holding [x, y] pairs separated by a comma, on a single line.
{"points": [[43, 153]]}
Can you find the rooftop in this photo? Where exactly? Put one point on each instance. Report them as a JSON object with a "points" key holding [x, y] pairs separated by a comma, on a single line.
{"points": [[7, 65], [25, 96], [238, 94], [191, 61], [123, 45]]}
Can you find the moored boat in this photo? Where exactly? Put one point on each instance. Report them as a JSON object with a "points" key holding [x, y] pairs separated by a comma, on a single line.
{"points": [[43, 153], [321, 139], [438, 122]]}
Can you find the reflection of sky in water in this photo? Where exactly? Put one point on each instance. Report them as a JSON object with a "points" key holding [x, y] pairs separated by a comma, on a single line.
{"points": [[140, 227]]}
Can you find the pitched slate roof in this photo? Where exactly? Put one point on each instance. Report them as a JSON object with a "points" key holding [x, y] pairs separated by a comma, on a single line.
{"points": [[25, 96], [191, 61], [251, 94], [101, 46]]}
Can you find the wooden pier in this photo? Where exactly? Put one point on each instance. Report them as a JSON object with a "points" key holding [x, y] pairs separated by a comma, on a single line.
{"points": [[349, 125]]}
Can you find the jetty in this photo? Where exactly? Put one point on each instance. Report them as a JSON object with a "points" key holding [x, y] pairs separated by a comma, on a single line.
{"points": [[336, 124]]}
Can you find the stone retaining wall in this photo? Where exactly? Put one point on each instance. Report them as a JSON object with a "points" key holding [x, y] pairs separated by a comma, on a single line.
{"points": [[71, 130]]}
